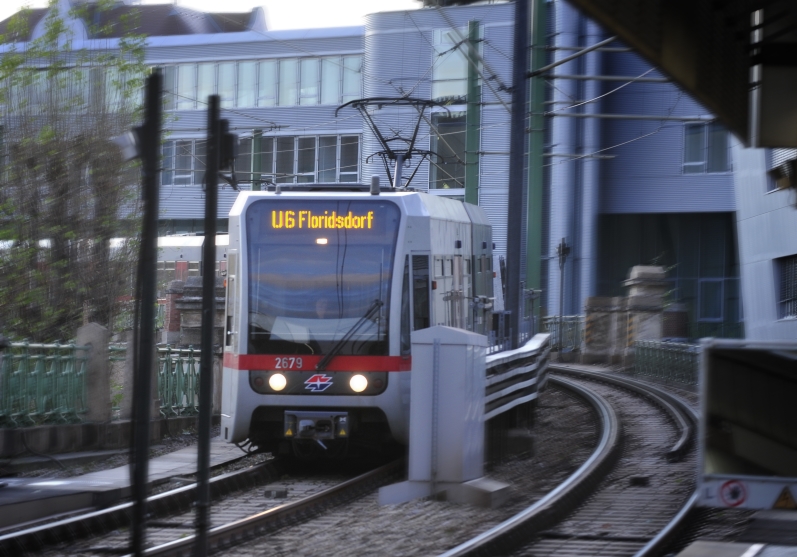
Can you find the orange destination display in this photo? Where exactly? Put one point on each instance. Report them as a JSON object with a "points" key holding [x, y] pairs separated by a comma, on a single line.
{"points": [[306, 219]]}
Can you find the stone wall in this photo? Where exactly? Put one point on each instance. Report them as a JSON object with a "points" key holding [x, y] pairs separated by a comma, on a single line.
{"points": [[613, 324]]}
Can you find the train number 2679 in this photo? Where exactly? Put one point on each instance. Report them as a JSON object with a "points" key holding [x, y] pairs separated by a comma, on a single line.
{"points": [[288, 363]]}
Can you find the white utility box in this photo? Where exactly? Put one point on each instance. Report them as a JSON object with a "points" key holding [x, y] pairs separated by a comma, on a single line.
{"points": [[446, 448]]}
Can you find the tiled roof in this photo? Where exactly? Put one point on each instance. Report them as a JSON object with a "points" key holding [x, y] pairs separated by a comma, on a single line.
{"points": [[152, 20], [35, 17], [157, 20]]}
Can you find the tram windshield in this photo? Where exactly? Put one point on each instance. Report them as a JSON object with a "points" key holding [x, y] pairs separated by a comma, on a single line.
{"points": [[316, 269]]}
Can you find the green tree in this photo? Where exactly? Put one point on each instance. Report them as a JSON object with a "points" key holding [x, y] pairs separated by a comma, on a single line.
{"points": [[68, 203]]}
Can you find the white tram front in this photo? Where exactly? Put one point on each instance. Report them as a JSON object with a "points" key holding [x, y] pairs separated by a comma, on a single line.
{"points": [[324, 286]]}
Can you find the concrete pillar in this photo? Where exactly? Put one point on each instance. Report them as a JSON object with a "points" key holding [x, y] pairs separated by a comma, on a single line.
{"points": [[190, 308], [171, 324], [605, 330], [98, 381], [647, 289], [126, 405]]}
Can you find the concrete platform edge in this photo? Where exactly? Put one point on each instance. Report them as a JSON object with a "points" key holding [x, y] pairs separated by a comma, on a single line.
{"points": [[68, 438]]}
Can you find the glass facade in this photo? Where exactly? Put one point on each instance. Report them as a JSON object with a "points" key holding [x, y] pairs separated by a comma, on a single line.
{"points": [[281, 160], [331, 80]]}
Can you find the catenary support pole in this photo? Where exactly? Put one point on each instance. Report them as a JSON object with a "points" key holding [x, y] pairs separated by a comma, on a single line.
{"points": [[208, 318], [257, 159], [150, 140], [517, 141], [473, 117], [534, 212]]}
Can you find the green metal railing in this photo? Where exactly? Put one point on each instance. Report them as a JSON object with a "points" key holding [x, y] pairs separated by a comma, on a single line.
{"points": [[572, 331], [673, 362], [42, 383], [178, 381]]}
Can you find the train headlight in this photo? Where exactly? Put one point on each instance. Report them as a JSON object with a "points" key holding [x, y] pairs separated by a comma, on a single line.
{"points": [[358, 383], [277, 381]]}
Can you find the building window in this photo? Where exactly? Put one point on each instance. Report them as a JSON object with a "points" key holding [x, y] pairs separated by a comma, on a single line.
{"points": [[781, 165], [226, 85], [706, 148], [450, 70], [331, 80], [786, 268], [352, 78], [267, 85], [247, 84], [282, 160], [450, 65], [307, 159], [308, 90], [447, 168], [710, 298], [183, 162], [186, 83], [205, 83]]}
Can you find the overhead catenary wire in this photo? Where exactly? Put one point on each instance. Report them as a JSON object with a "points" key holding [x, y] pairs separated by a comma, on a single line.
{"points": [[654, 132], [599, 96]]}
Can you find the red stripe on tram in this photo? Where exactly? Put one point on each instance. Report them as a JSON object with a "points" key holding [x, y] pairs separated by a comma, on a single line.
{"points": [[290, 362]]}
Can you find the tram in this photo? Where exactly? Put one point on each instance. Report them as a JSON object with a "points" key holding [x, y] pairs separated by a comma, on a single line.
{"points": [[325, 283]]}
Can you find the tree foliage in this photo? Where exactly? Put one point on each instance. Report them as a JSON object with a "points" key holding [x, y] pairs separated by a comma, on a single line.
{"points": [[68, 203]]}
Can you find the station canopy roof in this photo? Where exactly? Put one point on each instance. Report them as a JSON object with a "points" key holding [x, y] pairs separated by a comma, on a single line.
{"points": [[737, 57]]}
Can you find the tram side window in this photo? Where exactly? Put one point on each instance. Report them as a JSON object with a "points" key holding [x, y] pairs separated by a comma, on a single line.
{"points": [[406, 343], [420, 291]]}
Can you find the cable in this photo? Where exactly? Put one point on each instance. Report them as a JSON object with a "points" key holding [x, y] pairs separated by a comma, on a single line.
{"points": [[657, 130], [598, 97], [493, 74]]}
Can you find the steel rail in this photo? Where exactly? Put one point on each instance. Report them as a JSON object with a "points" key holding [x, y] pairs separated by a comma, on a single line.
{"points": [[106, 520], [509, 534], [686, 418], [264, 522]]}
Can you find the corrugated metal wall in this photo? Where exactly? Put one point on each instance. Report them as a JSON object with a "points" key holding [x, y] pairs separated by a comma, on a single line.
{"points": [[646, 174]]}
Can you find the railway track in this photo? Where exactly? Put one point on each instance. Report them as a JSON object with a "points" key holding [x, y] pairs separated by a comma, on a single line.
{"points": [[240, 509], [631, 496], [604, 507]]}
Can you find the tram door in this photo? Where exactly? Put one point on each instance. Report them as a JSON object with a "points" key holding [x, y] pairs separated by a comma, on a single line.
{"points": [[231, 283], [422, 317]]}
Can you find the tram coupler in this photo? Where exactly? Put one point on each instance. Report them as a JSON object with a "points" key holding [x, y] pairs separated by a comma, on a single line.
{"points": [[301, 424]]}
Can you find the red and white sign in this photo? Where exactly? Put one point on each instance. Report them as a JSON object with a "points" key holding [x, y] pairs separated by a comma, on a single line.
{"points": [[733, 493]]}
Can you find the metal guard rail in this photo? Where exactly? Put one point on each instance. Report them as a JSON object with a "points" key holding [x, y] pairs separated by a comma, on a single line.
{"points": [[673, 362], [178, 381], [514, 377], [572, 331], [42, 383]]}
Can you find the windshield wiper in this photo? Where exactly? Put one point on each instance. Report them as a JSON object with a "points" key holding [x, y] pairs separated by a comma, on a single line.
{"points": [[374, 307]]}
